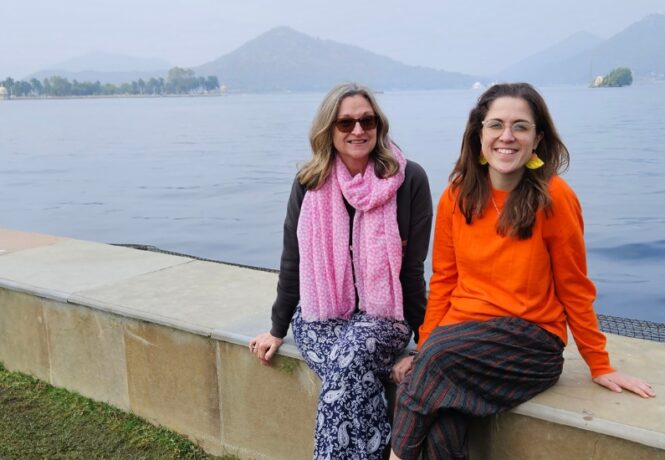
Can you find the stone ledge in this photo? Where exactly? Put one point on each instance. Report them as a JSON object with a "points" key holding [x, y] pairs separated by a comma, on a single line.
{"points": [[585, 421], [230, 304]]}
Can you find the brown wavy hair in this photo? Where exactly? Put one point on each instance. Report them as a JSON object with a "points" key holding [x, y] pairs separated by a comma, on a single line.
{"points": [[314, 173], [531, 193]]}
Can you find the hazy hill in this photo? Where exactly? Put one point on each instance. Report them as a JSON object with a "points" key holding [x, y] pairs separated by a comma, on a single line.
{"points": [[640, 47], [107, 68], [283, 59], [527, 69], [110, 62]]}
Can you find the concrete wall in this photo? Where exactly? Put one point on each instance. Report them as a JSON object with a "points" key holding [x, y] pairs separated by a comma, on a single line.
{"points": [[166, 338], [207, 389]]}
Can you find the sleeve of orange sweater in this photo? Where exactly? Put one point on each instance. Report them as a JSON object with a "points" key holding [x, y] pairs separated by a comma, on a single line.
{"points": [[444, 267], [565, 240]]}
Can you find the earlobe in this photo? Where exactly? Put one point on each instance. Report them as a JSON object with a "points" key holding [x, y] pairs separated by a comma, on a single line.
{"points": [[539, 137]]}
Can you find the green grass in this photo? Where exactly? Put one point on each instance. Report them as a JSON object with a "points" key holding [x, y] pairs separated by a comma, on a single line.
{"points": [[38, 421]]}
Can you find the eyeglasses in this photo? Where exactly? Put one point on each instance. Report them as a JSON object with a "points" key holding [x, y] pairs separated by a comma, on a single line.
{"points": [[346, 125], [519, 127]]}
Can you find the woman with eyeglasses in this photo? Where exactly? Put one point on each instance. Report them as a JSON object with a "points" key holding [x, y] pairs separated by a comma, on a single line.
{"points": [[509, 276], [351, 281]]}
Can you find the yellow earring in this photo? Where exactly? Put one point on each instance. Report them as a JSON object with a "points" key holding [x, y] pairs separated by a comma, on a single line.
{"points": [[482, 160], [534, 162]]}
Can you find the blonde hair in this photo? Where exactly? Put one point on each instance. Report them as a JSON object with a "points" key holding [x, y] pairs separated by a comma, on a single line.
{"points": [[315, 172]]}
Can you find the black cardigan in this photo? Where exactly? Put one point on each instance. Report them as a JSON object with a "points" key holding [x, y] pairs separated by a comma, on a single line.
{"points": [[414, 219]]}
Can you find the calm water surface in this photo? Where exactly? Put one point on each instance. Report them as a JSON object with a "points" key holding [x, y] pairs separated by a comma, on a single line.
{"points": [[210, 176]]}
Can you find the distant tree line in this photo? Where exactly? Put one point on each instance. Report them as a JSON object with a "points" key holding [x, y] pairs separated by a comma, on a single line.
{"points": [[178, 81]]}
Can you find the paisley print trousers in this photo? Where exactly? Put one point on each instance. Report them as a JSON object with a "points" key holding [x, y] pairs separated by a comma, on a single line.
{"points": [[351, 357]]}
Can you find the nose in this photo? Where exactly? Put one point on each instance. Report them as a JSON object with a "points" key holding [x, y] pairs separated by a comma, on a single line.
{"points": [[357, 129], [507, 134]]}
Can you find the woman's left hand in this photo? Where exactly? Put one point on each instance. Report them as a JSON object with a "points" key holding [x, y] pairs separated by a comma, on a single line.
{"points": [[617, 381], [401, 368]]}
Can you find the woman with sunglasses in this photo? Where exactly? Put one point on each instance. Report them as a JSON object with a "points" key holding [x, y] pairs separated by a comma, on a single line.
{"points": [[351, 280], [509, 276]]}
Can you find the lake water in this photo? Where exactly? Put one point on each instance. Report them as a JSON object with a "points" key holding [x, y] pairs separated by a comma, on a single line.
{"points": [[210, 176]]}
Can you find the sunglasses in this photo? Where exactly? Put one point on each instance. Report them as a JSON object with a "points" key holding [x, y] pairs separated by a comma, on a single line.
{"points": [[367, 123]]}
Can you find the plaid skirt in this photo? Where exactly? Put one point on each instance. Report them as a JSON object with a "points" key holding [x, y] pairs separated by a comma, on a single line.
{"points": [[470, 369]]}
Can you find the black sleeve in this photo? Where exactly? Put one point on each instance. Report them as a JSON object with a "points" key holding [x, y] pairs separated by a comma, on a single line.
{"points": [[415, 211], [288, 286]]}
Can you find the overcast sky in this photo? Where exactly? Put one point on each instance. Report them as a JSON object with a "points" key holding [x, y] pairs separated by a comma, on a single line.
{"points": [[477, 37]]}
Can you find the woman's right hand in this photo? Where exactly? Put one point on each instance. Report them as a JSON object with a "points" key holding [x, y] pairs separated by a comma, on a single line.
{"points": [[401, 369], [265, 346]]}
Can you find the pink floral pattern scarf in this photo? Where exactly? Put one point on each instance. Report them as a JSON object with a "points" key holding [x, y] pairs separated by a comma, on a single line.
{"points": [[326, 264]]}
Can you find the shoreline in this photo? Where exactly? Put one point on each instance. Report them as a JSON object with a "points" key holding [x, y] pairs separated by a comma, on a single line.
{"points": [[636, 83], [110, 96]]}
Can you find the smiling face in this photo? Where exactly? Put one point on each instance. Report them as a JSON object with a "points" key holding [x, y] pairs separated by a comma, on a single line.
{"points": [[355, 147], [508, 149]]}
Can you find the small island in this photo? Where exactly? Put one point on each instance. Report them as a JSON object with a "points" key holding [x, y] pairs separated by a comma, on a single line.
{"points": [[621, 76]]}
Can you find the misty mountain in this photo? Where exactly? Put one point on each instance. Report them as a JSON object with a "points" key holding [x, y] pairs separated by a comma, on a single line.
{"points": [[283, 59], [640, 47], [567, 48], [107, 68], [110, 62]]}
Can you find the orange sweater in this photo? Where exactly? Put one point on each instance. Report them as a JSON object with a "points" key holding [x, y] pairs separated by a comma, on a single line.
{"points": [[479, 275]]}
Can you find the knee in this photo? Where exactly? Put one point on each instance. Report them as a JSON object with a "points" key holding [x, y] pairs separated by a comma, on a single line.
{"points": [[438, 354], [353, 366], [357, 359]]}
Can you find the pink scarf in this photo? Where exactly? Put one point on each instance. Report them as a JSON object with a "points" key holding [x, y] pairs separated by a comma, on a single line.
{"points": [[326, 274]]}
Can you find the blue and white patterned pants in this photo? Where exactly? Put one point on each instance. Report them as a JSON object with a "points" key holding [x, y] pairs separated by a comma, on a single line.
{"points": [[351, 357]]}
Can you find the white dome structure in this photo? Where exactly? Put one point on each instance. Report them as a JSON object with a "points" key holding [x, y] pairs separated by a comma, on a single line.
{"points": [[4, 94]]}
